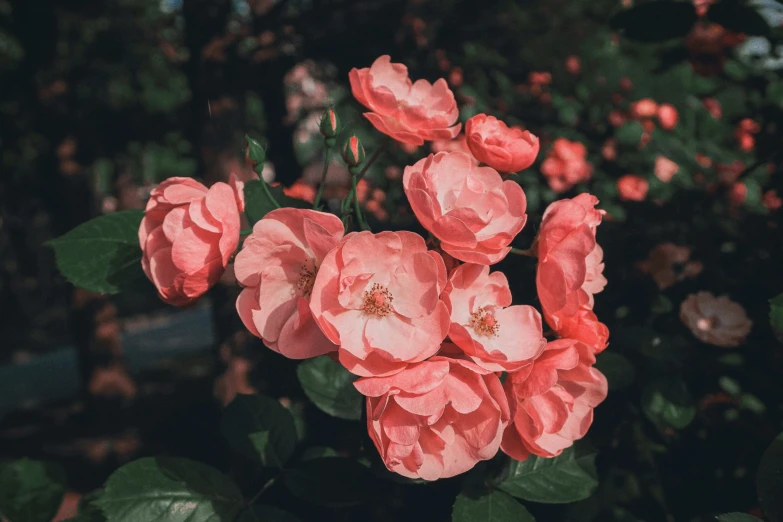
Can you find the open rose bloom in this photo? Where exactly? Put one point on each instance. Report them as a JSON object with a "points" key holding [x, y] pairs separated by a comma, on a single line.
{"points": [[494, 334], [377, 296], [429, 327], [436, 419], [187, 236], [470, 209], [409, 112], [552, 400], [277, 267]]}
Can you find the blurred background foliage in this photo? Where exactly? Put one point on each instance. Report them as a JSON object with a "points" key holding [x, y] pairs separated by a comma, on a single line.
{"points": [[100, 100]]}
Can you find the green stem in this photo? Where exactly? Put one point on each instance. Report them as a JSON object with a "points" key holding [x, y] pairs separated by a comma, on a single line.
{"points": [[323, 178], [375, 156], [269, 484], [268, 193], [357, 208], [520, 252], [245, 233], [345, 206]]}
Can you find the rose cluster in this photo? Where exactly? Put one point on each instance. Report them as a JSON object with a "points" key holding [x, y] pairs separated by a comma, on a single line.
{"points": [[452, 371]]}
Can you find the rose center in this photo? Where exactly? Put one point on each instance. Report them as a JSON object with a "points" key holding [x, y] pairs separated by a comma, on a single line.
{"points": [[377, 301], [484, 323], [707, 323], [306, 279]]}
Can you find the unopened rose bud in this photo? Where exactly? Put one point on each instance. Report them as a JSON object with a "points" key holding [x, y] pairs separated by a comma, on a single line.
{"points": [[254, 154], [353, 153], [330, 124]]}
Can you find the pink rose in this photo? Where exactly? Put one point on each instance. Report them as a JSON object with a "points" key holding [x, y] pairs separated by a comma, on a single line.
{"points": [[713, 106], [738, 193], [585, 327], [573, 65], [408, 112], [645, 108], [187, 235], [566, 165], [496, 336], [665, 169], [552, 400], [458, 144], [277, 267], [667, 116], [473, 212], [771, 200], [632, 187], [506, 150], [570, 262], [715, 320], [378, 297], [435, 419]]}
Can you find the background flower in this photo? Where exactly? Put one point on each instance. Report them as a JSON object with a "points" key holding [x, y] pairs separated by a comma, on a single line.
{"points": [[715, 320]]}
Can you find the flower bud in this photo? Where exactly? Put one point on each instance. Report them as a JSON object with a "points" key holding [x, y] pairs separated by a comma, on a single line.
{"points": [[330, 124], [353, 152], [254, 154]]}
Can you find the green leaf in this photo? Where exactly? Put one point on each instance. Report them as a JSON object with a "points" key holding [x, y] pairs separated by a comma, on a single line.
{"points": [[775, 93], [170, 489], [316, 452], [629, 133], [260, 428], [257, 200], [737, 517], [635, 22], [30, 490], [331, 482], [769, 480], [668, 403], [558, 480], [88, 510], [735, 70], [102, 255], [497, 507], [617, 369], [330, 387]]}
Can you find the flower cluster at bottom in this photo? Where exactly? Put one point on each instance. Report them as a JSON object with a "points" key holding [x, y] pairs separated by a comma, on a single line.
{"points": [[430, 345]]}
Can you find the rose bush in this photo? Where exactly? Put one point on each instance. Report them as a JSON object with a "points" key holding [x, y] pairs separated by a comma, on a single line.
{"points": [[399, 273]]}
